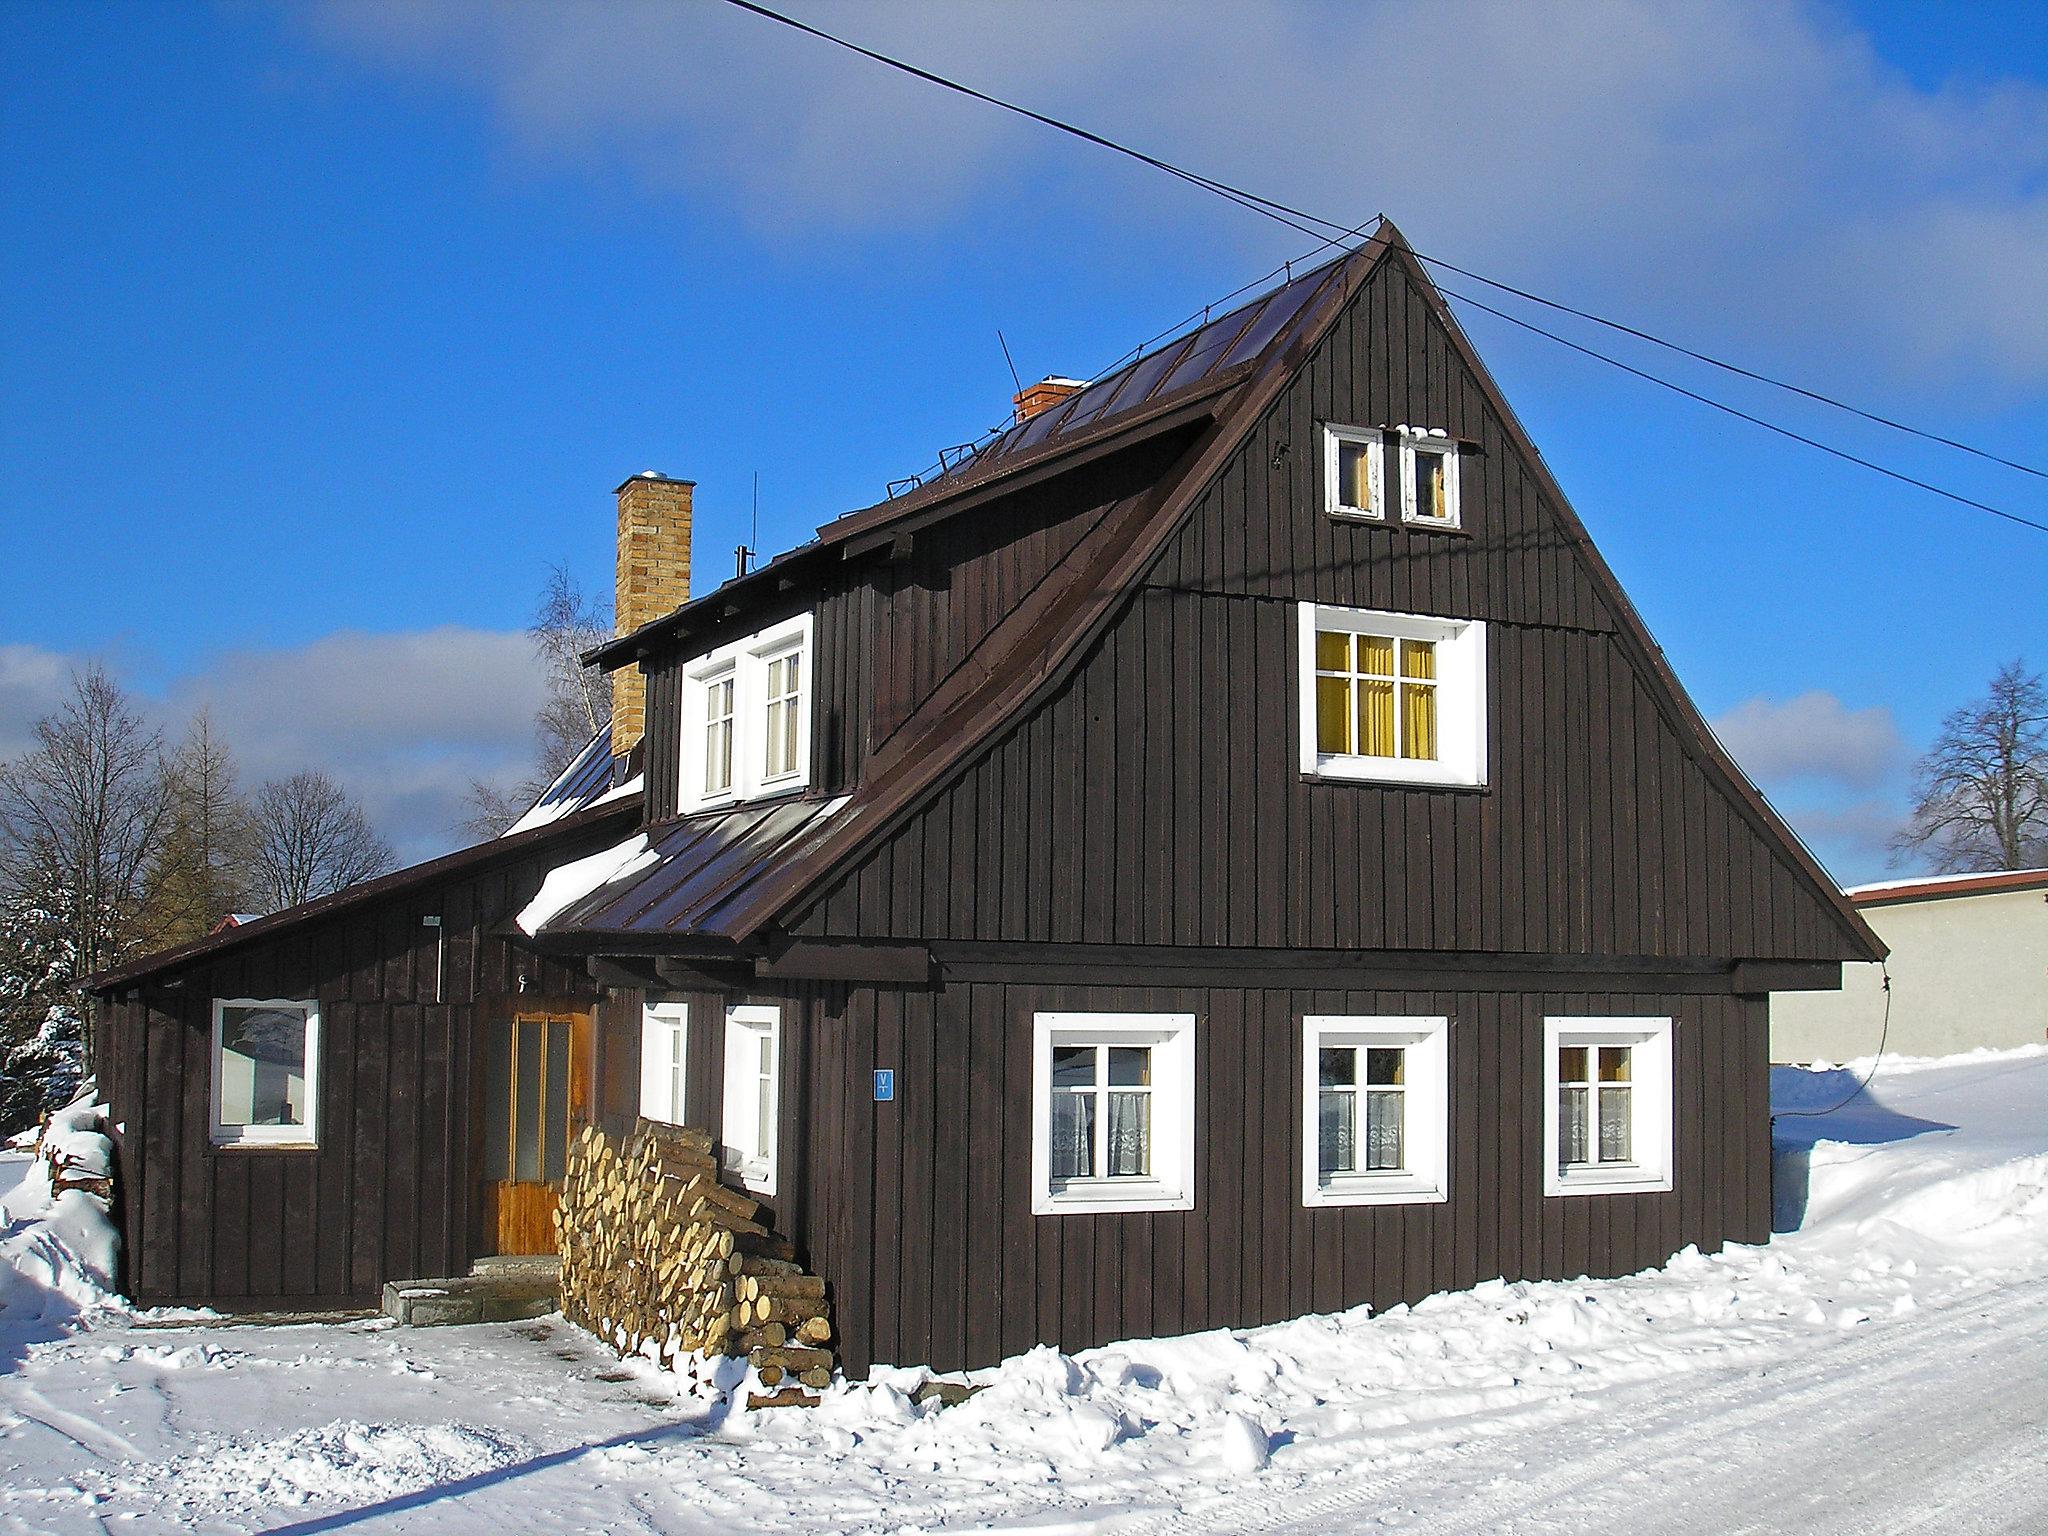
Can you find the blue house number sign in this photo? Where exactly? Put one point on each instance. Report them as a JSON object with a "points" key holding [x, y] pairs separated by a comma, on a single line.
{"points": [[885, 1084]]}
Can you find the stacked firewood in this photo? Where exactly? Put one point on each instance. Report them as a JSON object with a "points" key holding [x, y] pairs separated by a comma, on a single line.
{"points": [[661, 1259]]}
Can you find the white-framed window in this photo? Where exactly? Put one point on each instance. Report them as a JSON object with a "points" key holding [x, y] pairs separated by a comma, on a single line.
{"points": [[1354, 472], [1112, 1112], [1399, 697], [266, 1071], [1377, 1125], [1429, 477], [753, 1065], [664, 1062], [746, 718], [1606, 1105]]}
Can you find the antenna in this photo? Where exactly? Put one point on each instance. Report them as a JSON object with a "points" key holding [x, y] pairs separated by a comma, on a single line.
{"points": [[1011, 361], [743, 554]]}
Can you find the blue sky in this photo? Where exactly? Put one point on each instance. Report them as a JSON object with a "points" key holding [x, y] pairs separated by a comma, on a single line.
{"points": [[328, 326]]}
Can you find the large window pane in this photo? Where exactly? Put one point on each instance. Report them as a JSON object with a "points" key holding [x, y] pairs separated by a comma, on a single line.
{"points": [[1336, 1131], [1418, 721], [1574, 1143], [1073, 1066], [1384, 1112], [1333, 714], [1130, 1135], [1616, 1125], [263, 1066], [554, 1133], [1073, 1136], [527, 1061], [1376, 719], [1354, 468]]}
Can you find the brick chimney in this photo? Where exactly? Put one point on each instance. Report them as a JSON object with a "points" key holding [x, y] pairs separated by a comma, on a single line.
{"points": [[1044, 395], [654, 579]]}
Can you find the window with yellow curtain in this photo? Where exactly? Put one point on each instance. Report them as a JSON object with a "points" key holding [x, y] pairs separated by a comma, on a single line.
{"points": [[1375, 695]]}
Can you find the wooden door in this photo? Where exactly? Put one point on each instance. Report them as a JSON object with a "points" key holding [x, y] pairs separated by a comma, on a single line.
{"points": [[536, 1089]]}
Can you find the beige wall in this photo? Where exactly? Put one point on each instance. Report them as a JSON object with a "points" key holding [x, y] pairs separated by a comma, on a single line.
{"points": [[1967, 971]]}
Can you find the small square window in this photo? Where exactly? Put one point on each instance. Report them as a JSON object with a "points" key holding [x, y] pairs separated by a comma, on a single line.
{"points": [[266, 1072], [1429, 477], [1354, 472], [1392, 696], [1377, 1130], [1113, 1112], [1607, 1106]]}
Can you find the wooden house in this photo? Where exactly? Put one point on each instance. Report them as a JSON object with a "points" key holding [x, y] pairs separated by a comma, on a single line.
{"points": [[1227, 849]]}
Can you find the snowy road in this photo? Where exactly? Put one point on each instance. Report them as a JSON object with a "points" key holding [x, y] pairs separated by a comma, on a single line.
{"points": [[1884, 1368], [1936, 1423]]}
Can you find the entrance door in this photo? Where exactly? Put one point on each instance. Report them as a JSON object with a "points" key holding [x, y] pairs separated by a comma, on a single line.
{"points": [[536, 1087]]}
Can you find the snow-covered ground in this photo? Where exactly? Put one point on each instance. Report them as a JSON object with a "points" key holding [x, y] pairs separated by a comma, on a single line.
{"points": [[1884, 1367]]}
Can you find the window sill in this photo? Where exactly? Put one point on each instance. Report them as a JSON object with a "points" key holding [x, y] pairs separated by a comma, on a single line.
{"points": [[1392, 770], [262, 1144], [1109, 1197], [1393, 1189], [1357, 515], [1622, 1180]]}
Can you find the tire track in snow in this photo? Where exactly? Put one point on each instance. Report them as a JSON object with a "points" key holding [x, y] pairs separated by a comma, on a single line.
{"points": [[1628, 1458]]}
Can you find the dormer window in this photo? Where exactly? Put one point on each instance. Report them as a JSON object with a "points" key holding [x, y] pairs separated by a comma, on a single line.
{"points": [[746, 718]]}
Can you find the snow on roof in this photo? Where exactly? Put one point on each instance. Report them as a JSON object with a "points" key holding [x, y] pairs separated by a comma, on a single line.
{"points": [[567, 884], [1974, 883]]}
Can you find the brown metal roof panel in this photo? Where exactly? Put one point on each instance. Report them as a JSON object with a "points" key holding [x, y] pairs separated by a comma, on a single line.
{"points": [[637, 901]]}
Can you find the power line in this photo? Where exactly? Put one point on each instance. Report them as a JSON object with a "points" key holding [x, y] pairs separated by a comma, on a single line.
{"points": [[1722, 405], [1321, 228]]}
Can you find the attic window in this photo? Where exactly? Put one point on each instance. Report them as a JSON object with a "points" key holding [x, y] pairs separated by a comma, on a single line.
{"points": [[1399, 697], [746, 718], [1354, 472], [1429, 477]]}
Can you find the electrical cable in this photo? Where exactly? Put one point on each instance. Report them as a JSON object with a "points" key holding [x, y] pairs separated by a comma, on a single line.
{"points": [[1319, 227], [1876, 1061]]}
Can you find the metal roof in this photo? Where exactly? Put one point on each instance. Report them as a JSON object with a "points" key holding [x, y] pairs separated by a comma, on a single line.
{"points": [[589, 777], [1218, 344], [705, 865]]}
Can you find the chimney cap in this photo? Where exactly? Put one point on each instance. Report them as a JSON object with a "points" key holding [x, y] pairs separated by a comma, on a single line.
{"points": [[650, 474]]}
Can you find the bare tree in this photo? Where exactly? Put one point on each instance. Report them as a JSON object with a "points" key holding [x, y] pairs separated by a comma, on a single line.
{"points": [[1980, 795], [579, 699], [577, 706], [202, 869], [310, 838], [81, 813]]}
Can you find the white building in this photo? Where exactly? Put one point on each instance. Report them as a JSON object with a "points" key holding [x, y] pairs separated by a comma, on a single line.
{"points": [[1969, 968]]}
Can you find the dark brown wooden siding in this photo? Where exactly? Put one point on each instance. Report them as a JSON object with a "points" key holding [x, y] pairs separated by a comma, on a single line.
{"points": [[390, 1191], [1157, 797], [921, 1214], [888, 631]]}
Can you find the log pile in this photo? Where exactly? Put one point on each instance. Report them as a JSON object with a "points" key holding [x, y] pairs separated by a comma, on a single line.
{"points": [[661, 1259]]}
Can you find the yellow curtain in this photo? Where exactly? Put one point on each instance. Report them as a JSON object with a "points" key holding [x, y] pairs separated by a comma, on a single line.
{"points": [[1418, 720], [1375, 656], [1375, 718], [1333, 714]]}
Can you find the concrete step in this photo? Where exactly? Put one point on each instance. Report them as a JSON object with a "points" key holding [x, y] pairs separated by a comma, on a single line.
{"points": [[502, 1295]]}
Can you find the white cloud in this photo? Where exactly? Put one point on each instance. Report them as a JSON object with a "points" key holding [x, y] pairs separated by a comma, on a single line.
{"points": [[1812, 737], [1747, 169], [404, 721]]}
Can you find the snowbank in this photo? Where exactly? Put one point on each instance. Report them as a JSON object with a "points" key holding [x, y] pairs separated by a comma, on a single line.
{"points": [[58, 1248]]}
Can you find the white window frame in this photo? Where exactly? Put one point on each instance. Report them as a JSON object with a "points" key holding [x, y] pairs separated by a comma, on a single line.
{"points": [[1171, 1184], [1650, 1097], [745, 1023], [1425, 1136], [1460, 698], [665, 1062], [746, 661], [1374, 441], [306, 1135], [1419, 440]]}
